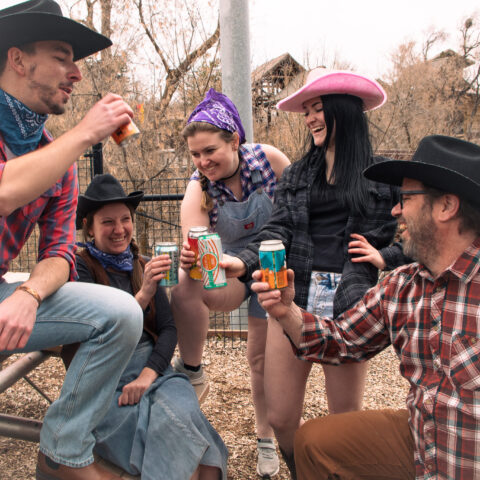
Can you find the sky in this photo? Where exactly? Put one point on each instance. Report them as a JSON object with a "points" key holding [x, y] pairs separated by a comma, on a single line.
{"points": [[363, 33]]}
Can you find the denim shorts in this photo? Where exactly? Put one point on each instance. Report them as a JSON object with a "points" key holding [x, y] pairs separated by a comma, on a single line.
{"points": [[323, 286]]}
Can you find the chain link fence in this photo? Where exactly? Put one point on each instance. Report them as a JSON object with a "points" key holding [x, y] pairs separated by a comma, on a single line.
{"points": [[157, 220]]}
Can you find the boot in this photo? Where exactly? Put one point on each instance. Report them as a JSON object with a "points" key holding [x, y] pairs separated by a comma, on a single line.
{"points": [[290, 461], [47, 469]]}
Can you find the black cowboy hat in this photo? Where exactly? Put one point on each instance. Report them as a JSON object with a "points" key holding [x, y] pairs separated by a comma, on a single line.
{"points": [[445, 163], [40, 20], [104, 189]]}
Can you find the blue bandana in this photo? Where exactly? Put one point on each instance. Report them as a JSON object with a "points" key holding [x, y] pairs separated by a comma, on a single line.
{"points": [[122, 262], [21, 128]]}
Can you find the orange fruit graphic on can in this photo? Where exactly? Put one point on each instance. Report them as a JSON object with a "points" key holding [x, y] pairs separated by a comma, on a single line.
{"points": [[210, 251]]}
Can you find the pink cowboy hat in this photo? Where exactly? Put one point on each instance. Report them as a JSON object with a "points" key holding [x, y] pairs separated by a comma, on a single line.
{"points": [[321, 81]]}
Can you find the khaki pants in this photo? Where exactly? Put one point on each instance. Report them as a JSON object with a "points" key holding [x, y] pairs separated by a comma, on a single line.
{"points": [[371, 444]]}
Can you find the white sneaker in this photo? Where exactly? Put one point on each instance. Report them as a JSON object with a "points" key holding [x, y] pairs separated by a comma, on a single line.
{"points": [[267, 463], [196, 378]]}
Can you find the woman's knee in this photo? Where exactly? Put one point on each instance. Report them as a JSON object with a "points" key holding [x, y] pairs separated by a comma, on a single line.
{"points": [[281, 421]]}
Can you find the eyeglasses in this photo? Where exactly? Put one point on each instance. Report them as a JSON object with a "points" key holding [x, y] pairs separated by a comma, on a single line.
{"points": [[410, 192]]}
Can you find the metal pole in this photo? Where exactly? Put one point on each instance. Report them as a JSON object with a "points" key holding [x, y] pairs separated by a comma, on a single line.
{"points": [[97, 159], [235, 59]]}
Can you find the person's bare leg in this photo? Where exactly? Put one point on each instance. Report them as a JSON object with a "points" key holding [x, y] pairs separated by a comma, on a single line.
{"points": [[191, 305], [257, 335], [344, 385], [285, 382], [208, 473]]}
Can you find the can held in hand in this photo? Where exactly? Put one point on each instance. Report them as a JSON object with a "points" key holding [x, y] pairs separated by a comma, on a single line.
{"points": [[193, 234], [125, 133], [171, 249], [273, 263], [210, 251]]}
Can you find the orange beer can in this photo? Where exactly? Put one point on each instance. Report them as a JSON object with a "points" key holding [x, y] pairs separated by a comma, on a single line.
{"points": [[273, 263], [125, 133], [193, 234]]}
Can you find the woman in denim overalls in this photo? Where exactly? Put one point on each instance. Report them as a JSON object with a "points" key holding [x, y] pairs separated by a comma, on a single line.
{"points": [[231, 193]]}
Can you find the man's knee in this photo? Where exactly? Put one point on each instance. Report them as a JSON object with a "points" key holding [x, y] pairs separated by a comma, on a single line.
{"points": [[314, 435], [313, 443], [128, 319], [112, 310]]}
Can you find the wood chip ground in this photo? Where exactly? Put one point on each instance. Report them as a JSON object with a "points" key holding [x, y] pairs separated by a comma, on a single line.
{"points": [[228, 406]]}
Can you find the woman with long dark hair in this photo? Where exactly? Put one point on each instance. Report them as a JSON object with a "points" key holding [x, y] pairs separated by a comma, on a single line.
{"points": [[337, 229]]}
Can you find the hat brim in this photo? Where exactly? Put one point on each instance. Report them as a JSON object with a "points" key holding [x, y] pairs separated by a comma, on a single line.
{"points": [[371, 92], [20, 29], [87, 205], [393, 172]]}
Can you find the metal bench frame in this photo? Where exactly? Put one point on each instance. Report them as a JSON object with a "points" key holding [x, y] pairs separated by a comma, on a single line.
{"points": [[20, 427]]}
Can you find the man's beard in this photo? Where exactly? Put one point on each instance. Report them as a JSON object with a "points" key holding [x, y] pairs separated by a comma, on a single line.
{"points": [[421, 242], [46, 94]]}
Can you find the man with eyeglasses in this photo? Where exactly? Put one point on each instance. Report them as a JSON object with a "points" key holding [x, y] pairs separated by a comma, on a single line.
{"points": [[429, 311]]}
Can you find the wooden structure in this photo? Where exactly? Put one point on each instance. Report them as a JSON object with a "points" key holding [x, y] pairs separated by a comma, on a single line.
{"points": [[270, 82]]}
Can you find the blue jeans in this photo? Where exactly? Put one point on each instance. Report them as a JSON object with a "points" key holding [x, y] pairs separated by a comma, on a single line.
{"points": [[108, 323], [321, 292]]}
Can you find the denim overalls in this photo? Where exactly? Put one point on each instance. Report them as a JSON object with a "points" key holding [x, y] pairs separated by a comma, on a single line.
{"points": [[239, 222]]}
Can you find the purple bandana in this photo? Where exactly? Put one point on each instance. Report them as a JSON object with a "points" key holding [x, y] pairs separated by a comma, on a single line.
{"points": [[217, 109]]}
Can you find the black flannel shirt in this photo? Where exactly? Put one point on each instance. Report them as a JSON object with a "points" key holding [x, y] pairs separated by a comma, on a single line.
{"points": [[290, 223]]}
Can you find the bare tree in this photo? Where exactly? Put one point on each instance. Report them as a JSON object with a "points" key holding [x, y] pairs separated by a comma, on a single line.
{"points": [[431, 95], [161, 48]]}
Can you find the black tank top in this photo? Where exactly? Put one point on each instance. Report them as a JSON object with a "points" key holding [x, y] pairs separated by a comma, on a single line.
{"points": [[328, 219]]}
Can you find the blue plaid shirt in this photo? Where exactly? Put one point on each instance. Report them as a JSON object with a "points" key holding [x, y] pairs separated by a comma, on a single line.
{"points": [[252, 157]]}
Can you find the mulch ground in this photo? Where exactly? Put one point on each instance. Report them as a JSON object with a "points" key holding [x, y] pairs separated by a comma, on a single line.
{"points": [[228, 406]]}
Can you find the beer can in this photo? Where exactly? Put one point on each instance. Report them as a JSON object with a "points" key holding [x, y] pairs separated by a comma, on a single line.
{"points": [[210, 251], [125, 133], [193, 234], [170, 248], [273, 263]]}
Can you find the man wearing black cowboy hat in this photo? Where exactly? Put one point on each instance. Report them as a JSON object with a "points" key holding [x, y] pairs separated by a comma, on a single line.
{"points": [[38, 185], [429, 311]]}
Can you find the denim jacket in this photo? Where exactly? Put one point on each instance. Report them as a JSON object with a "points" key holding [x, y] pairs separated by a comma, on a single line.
{"points": [[290, 223]]}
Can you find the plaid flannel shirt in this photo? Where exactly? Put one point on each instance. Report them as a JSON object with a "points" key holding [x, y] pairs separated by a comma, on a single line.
{"points": [[252, 157], [434, 327], [289, 222], [54, 211]]}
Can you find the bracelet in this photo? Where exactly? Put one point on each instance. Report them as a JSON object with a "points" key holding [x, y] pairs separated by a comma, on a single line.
{"points": [[30, 291]]}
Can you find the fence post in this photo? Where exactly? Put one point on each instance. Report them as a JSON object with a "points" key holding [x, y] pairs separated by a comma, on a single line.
{"points": [[97, 154]]}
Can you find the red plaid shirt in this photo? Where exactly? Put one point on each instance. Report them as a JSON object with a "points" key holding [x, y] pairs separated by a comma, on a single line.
{"points": [[54, 211], [434, 327]]}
